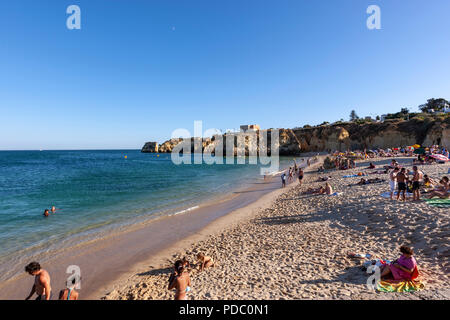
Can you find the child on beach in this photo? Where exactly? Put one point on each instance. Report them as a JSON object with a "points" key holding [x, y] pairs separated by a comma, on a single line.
{"points": [[180, 281], [205, 261], [403, 268]]}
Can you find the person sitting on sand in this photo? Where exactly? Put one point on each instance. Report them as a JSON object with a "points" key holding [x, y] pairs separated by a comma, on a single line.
{"points": [[328, 189], [180, 281], [428, 182], [70, 293], [205, 261], [441, 191], [371, 166], [403, 267]]}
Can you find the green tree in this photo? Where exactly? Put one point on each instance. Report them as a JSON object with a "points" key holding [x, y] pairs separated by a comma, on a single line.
{"points": [[353, 116], [434, 104]]}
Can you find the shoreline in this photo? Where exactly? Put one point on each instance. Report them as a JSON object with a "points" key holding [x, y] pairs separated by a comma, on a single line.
{"points": [[145, 240]]}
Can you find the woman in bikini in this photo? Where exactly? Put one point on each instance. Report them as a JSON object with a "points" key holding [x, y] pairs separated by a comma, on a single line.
{"points": [[70, 293], [441, 191]]}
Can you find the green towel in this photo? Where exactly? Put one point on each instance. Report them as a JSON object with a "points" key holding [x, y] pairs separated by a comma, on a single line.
{"points": [[437, 202]]}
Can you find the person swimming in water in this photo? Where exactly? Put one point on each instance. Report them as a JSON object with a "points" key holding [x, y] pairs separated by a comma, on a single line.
{"points": [[46, 213]]}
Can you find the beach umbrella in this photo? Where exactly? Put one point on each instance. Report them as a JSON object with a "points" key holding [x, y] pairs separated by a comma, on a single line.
{"points": [[416, 146], [439, 157]]}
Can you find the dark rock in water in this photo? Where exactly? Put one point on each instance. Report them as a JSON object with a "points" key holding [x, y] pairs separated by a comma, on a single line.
{"points": [[150, 147]]}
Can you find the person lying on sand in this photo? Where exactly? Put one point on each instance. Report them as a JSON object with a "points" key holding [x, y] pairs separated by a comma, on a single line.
{"points": [[319, 190], [205, 261], [180, 281], [428, 182], [403, 267], [366, 181], [324, 178], [186, 263], [441, 191]]}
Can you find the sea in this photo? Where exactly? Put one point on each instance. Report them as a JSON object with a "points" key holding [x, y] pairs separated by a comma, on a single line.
{"points": [[96, 193]]}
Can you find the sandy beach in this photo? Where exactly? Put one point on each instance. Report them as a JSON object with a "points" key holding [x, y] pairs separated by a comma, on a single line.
{"points": [[288, 245]]}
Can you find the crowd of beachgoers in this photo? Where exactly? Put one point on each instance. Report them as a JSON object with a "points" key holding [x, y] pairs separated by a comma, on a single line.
{"points": [[316, 236]]}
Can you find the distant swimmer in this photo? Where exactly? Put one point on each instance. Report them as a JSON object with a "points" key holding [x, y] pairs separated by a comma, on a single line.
{"points": [[46, 213], [54, 209], [41, 282]]}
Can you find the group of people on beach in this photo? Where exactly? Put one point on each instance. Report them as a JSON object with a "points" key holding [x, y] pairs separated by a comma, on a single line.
{"points": [[402, 180], [292, 172]]}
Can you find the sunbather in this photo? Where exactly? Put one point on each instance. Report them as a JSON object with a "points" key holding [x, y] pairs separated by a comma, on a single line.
{"points": [[441, 191]]}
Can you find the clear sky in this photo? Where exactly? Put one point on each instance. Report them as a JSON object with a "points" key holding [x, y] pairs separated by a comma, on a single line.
{"points": [[139, 69]]}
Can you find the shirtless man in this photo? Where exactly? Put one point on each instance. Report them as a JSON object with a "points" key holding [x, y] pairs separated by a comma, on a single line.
{"points": [[393, 181], [300, 176], [41, 282], [417, 176], [46, 213], [180, 280], [401, 178]]}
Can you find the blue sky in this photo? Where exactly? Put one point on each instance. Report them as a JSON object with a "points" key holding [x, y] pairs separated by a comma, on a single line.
{"points": [[137, 70]]}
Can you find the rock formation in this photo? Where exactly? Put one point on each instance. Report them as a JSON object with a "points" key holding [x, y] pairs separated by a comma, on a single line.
{"points": [[344, 136]]}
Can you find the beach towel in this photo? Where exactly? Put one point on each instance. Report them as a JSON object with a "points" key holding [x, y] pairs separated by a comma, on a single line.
{"points": [[437, 202], [335, 194], [355, 175], [400, 286]]}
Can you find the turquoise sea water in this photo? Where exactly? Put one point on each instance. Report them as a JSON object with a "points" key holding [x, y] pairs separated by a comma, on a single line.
{"points": [[96, 192]]}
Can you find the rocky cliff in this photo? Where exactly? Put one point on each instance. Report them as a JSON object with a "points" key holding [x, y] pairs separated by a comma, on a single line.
{"points": [[341, 136]]}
